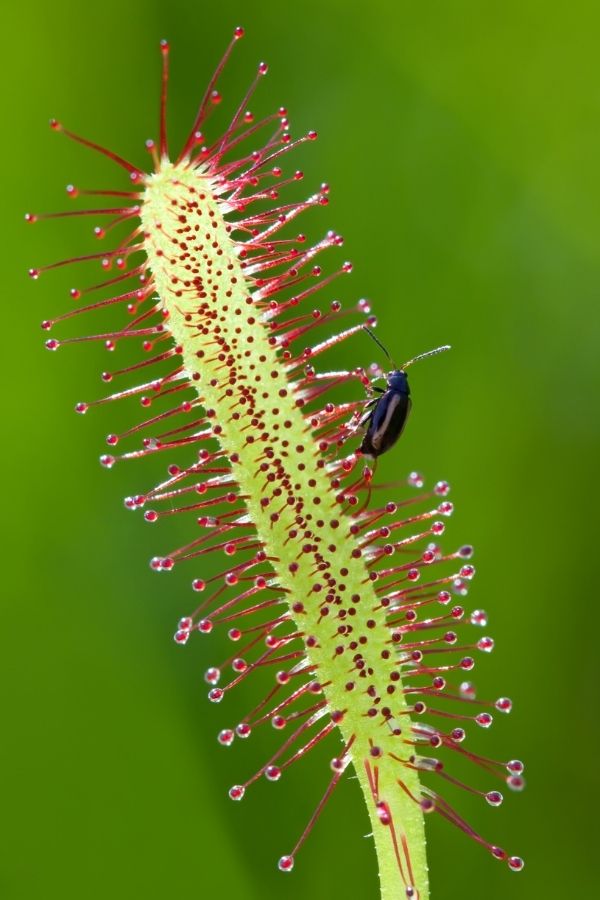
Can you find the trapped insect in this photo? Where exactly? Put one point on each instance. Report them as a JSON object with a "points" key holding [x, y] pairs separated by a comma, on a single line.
{"points": [[387, 414]]}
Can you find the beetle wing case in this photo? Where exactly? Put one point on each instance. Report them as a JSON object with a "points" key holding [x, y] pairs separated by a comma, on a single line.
{"points": [[386, 423]]}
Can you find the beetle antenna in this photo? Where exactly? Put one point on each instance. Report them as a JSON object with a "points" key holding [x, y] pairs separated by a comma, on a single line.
{"points": [[379, 344], [423, 355]]}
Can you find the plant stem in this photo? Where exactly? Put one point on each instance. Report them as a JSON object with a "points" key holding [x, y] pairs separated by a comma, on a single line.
{"points": [[400, 844]]}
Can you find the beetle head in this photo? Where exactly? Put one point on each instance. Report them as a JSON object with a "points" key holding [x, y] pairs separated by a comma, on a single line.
{"points": [[398, 381]]}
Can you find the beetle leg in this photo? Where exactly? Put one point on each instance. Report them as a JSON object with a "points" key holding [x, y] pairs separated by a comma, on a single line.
{"points": [[370, 387], [367, 413], [359, 420]]}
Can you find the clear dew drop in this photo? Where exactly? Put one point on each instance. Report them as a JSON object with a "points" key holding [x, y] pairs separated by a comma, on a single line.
{"points": [[484, 720], [225, 737], [286, 863], [181, 636], [212, 675], [460, 587], [467, 690], [485, 644], [237, 792], [516, 783], [216, 695]]}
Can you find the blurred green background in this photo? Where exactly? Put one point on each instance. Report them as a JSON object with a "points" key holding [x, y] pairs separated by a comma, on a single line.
{"points": [[462, 143]]}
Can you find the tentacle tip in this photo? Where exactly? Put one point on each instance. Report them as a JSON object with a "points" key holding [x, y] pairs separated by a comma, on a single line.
{"points": [[237, 792]]}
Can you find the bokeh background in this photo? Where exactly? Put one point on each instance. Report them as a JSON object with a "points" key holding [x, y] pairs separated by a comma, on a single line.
{"points": [[462, 143]]}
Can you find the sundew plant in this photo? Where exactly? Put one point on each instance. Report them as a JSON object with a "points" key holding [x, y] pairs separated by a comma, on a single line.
{"points": [[349, 602]]}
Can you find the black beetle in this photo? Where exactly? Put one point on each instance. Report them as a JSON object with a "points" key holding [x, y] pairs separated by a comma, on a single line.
{"points": [[387, 414]]}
